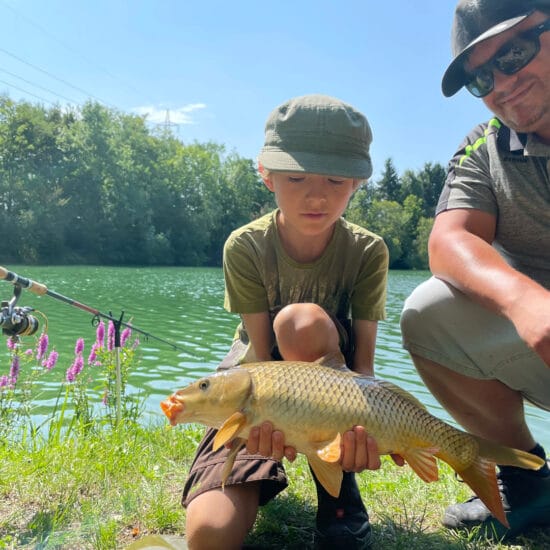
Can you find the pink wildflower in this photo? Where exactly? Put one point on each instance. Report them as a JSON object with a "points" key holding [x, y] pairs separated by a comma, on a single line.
{"points": [[93, 353], [78, 365], [79, 346], [11, 343], [75, 369], [100, 334], [111, 336], [126, 333], [49, 364], [70, 375], [29, 352], [14, 371], [3, 381], [42, 346]]}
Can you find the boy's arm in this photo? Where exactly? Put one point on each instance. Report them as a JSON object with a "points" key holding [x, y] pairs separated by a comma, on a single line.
{"points": [[365, 341], [264, 439], [260, 332]]}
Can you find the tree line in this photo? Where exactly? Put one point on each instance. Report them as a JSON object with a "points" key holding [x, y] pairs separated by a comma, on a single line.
{"points": [[92, 185]]}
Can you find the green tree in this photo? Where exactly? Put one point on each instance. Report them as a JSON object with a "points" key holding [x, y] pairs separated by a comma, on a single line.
{"points": [[31, 168], [389, 185], [425, 184]]}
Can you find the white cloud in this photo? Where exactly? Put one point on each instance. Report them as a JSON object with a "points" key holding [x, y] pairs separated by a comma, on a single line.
{"points": [[180, 115]]}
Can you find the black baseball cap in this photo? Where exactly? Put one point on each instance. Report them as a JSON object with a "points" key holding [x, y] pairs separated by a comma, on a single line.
{"points": [[478, 20]]}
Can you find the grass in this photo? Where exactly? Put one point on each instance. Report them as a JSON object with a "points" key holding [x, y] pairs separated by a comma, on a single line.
{"points": [[104, 490]]}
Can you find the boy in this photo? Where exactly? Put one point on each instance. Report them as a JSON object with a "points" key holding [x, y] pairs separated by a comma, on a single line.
{"points": [[295, 276]]}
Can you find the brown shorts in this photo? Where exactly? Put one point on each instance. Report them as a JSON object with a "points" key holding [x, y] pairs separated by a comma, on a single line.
{"points": [[206, 471]]}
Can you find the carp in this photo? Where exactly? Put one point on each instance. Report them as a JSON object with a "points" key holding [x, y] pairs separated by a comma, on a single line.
{"points": [[313, 404]]}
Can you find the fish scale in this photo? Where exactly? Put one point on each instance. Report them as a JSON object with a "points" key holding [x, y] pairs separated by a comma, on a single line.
{"points": [[315, 403], [343, 399]]}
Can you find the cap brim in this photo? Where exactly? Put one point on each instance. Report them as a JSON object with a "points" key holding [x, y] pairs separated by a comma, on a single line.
{"points": [[455, 76], [314, 163]]}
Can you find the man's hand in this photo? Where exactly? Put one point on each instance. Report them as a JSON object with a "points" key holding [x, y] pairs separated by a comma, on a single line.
{"points": [[266, 441], [531, 317], [360, 452]]}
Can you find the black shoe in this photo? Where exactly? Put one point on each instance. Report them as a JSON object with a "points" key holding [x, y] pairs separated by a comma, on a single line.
{"points": [[526, 500], [342, 522]]}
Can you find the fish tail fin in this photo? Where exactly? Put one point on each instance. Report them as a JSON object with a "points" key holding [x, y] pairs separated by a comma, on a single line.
{"points": [[506, 456], [482, 479]]}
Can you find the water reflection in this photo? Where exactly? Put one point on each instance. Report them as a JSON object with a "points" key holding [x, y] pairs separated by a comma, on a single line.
{"points": [[184, 306]]}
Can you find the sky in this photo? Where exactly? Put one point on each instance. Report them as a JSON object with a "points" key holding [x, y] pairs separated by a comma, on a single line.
{"points": [[213, 70]]}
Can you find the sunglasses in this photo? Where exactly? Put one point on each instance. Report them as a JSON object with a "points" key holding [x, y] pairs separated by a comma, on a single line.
{"points": [[516, 54]]}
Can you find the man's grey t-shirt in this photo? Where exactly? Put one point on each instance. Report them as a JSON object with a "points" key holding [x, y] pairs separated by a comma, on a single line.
{"points": [[506, 174]]}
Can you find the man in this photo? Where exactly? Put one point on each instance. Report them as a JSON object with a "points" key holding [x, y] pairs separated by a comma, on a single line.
{"points": [[479, 330]]}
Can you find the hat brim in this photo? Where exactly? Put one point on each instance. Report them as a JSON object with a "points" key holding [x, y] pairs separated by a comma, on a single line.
{"points": [[455, 76], [315, 163]]}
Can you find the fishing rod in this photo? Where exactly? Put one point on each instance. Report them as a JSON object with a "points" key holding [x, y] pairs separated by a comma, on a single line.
{"points": [[16, 320]]}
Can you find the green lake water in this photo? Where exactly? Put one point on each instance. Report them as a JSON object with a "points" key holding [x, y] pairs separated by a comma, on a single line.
{"points": [[184, 306]]}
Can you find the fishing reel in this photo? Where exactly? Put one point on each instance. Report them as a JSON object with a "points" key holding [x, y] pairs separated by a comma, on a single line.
{"points": [[16, 320]]}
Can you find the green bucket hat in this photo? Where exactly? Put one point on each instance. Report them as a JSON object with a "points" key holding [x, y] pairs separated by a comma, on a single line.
{"points": [[317, 134]]}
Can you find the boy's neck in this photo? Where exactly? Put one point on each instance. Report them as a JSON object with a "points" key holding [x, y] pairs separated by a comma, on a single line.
{"points": [[302, 248]]}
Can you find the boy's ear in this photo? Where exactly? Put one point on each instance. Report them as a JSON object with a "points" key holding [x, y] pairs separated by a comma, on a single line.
{"points": [[357, 184], [268, 183], [264, 174]]}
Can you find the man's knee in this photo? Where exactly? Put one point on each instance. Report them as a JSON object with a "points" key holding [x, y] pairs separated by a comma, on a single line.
{"points": [[421, 311]]}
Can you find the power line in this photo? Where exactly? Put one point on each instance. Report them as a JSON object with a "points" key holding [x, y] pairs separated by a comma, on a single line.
{"points": [[40, 87], [78, 89], [26, 92], [74, 51]]}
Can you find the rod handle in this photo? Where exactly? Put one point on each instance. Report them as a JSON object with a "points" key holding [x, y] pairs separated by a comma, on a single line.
{"points": [[33, 286]]}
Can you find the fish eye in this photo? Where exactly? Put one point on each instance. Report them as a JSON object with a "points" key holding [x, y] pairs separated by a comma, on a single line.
{"points": [[204, 384]]}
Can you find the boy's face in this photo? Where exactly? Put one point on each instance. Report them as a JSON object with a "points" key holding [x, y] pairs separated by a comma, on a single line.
{"points": [[310, 203]]}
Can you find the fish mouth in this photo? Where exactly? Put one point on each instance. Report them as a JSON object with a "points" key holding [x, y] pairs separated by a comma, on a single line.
{"points": [[172, 407]]}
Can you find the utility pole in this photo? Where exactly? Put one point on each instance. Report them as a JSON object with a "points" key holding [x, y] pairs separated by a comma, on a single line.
{"points": [[168, 124]]}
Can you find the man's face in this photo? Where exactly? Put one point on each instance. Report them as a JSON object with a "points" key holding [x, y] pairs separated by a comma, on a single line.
{"points": [[521, 100]]}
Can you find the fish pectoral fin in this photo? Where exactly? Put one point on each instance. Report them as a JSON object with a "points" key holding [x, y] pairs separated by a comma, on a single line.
{"points": [[329, 474], [423, 462], [236, 445], [332, 451], [229, 429]]}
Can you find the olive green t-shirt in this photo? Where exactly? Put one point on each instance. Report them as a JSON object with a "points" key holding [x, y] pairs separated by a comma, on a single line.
{"points": [[348, 280]]}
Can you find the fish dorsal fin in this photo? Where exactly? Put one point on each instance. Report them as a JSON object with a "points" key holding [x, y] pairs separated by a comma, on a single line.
{"points": [[229, 429], [400, 391], [332, 451], [334, 360], [329, 474], [423, 462]]}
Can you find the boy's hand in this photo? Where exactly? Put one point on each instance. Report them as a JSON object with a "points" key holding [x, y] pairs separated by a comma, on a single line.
{"points": [[266, 441], [360, 452]]}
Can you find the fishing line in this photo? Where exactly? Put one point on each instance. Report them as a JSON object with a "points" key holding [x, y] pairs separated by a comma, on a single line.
{"points": [[18, 320]]}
